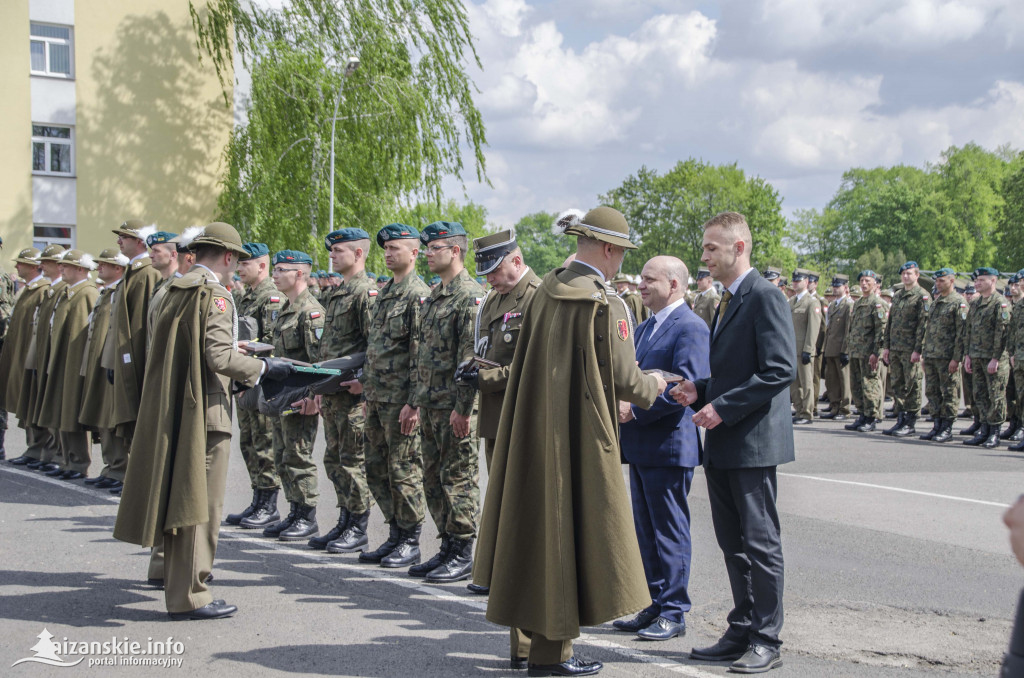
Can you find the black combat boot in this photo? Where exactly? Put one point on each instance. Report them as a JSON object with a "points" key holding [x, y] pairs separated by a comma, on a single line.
{"points": [[936, 427], [353, 538], [280, 526], [868, 425], [235, 518], [907, 429], [897, 426], [1018, 435], [1019, 447], [423, 569], [992, 441], [1011, 428], [265, 514], [981, 436], [457, 566], [852, 426], [407, 552], [973, 428], [384, 549], [3, 450], [303, 526], [320, 543], [945, 431]]}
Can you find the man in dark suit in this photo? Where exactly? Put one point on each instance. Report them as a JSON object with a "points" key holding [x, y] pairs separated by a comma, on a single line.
{"points": [[744, 406], [662, 448]]}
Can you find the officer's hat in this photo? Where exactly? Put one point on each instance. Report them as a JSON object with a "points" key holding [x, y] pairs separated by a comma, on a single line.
{"points": [[29, 255], [887, 292], [601, 223], [52, 253], [396, 232], [293, 257], [813, 276], [133, 228], [439, 230], [856, 293], [78, 258], [772, 273], [112, 256], [183, 241], [159, 238], [620, 278], [345, 235], [223, 235], [490, 250], [839, 279], [703, 272], [801, 274]]}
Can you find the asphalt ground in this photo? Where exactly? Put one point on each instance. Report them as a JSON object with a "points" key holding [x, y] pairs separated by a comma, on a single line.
{"points": [[897, 564]]}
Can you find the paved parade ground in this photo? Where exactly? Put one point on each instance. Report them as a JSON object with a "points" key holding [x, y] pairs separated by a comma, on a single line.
{"points": [[897, 564]]}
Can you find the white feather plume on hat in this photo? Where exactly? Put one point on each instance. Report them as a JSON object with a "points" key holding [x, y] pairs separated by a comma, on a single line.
{"points": [[189, 235], [88, 262], [570, 217], [122, 260], [146, 231]]}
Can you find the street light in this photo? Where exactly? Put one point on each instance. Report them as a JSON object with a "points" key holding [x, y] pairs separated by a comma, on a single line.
{"points": [[351, 67]]}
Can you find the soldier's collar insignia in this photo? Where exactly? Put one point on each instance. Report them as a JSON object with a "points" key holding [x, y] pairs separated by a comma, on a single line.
{"points": [[598, 296], [423, 300]]}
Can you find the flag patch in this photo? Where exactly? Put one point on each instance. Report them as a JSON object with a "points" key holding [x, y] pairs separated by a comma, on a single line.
{"points": [[221, 304], [373, 293], [314, 314], [275, 300]]}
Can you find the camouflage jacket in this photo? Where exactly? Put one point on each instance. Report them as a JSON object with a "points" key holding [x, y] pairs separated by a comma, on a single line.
{"points": [[1015, 340], [988, 324], [447, 339], [263, 303], [866, 332], [298, 329], [947, 324], [908, 316], [348, 317], [393, 340]]}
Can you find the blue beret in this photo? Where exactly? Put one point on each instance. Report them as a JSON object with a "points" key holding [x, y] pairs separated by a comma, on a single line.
{"points": [[866, 274], [1020, 274], [943, 272], [159, 238], [985, 270], [396, 232], [909, 264], [345, 235], [440, 230], [371, 275], [292, 257], [333, 274], [383, 279], [480, 279], [436, 280], [256, 249]]}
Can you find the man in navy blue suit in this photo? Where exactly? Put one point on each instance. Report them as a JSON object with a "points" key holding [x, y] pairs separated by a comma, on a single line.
{"points": [[662, 448]]}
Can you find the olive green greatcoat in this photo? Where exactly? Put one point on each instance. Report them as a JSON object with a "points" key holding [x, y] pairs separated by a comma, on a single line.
{"points": [[19, 335], [557, 544], [97, 392], [39, 352], [705, 304], [63, 396]]}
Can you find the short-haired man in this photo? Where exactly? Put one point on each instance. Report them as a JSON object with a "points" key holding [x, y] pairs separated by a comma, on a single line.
{"points": [[904, 340], [1015, 349], [163, 252], [863, 344], [986, 358], [706, 302], [942, 352], [806, 314]]}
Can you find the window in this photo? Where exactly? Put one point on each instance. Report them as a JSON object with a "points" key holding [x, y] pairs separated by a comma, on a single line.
{"points": [[50, 49], [53, 150], [50, 234]]}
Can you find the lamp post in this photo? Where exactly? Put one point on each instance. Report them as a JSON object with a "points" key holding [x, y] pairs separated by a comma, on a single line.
{"points": [[350, 68]]}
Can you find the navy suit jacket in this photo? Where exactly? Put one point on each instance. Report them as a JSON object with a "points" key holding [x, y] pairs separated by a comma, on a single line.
{"points": [[665, 434], [752, 365]]}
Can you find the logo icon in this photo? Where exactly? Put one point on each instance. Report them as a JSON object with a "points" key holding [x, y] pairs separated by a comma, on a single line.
{"points": [[46, 652]]}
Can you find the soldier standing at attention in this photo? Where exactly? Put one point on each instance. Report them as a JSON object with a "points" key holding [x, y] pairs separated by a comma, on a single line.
{"points": [[626, 289], [39, 356], [971, 295], [819, 345], [904, 340], [706, 301], [394, 466], [837, 363], [163, 252], [806, 313], [349, 308], [451, 479], [297, 334], [986, 359], [261, 302], [943, 350], [1015, 348], [863, 344], [1015, 407]]}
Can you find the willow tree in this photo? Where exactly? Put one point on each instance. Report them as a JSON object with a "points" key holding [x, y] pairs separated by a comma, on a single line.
{"points": [[403, 118]]}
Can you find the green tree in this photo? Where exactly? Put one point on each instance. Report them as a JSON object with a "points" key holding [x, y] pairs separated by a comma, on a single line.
{"points": [[1011, 249], [542, 249], [887, 264]]}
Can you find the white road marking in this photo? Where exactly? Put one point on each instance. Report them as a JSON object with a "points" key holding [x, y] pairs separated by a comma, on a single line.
{"points": [[897, 489]]}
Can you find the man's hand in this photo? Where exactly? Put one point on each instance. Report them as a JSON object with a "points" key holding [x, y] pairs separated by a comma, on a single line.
{"points": [[915, 357], [468, 375], [953, 366], [873, 362], [318, 400], [805, 358], [278, 369], [885, 356], [625, 412], [306, 406], [707, 417], [662, 384], [684, 393], [354, 387], [460, 424], [993, 366], [844, 359], [1014, 519], [408, 418], [967, 365]]}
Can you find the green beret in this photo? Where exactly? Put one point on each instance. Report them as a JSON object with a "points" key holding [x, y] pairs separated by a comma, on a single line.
{"points": [[868, 273], [159, 238], [256, 249], [396, 232], [943, 271], [908, 265], [985, 270], [371, 275], [292, 257], [345, 235], [334, 274], [439, 230]]}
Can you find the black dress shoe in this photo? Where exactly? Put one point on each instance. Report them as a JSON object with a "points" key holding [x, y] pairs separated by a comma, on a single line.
{"points": [[801, 421], [841, 417], [482, 591], [662, 629], [34, 464], [517, 663], [20, 461], [724, 650], [572, 667], [642, 620], [53, 472], [758, 659], [106, 482], [116, 491], [215, 610], [93, 480], [72, 475]]}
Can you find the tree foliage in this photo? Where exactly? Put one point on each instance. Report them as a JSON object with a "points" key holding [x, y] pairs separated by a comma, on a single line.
{"points": [[542, 249]]}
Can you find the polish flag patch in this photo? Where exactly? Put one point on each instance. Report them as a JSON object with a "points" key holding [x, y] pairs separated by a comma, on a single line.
{"points": [[275, 300], [373, 293], [314, 314]]}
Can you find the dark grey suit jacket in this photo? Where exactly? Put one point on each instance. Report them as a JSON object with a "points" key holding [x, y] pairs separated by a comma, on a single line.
{"points": [[752, 365]]}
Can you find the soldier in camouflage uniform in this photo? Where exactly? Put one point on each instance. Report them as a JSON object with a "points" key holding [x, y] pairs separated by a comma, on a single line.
{"points": [[6, 307], [1014, 405], [297, 333], [1015, 348], [904, 340], [864, 345], [394, 467], [449, 442], [262, 302], [349, 309], [942, 352], [987, 361]]}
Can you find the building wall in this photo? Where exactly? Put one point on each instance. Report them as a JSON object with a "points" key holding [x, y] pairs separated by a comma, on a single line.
{"points": [[15, 141]]}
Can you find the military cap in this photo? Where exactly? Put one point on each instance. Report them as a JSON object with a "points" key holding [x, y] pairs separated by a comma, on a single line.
{"points": [[703, 272], [620, 278], [383, 279], [1020, 274], [29, 255], [435, 280], [887, 292], [159, 238], [985, 270], [856, 293], [800, 274], [396, 232], [371, 275], [345, 235], [490, 250], [601, 223], [131, 228], [772, 273], [784, 282], [223, 235], [236, 277], [293, 257], [813, 276], [52, 253], [78, 258], [868, 273], [256, 249], [439, 230], [1013, 279], [112, 256], [334, 274], [943, 271], [839, 279], [969, 289], [908, 265]]}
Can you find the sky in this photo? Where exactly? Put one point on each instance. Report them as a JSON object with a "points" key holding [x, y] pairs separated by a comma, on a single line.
{"points": [[577, 95]]}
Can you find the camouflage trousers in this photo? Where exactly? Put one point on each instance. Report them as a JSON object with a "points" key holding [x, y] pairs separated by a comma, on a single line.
{"points": [[451, 474], [343, 458], [256, 440], [943, 388], [294, 435], [837, 386], [905, 379], [990, 390], [1017, 372], [866, 385], [394, 467]]}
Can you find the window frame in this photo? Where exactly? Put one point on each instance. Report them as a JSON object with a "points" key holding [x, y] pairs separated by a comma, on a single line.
{"points": [[48, 143], [47, 42], [42, 240]]}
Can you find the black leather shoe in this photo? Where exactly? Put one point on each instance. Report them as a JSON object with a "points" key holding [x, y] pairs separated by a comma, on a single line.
{"points": [[572, 667], [320, 543], [972, 429], [34, 464], [517, 663], [895, 427], [303, 527], [1011, 428], [1018, 447], [215, 610], [481, 591], [106, 483], [801, 422], [642, 620], [20, 461], [868, 425], [72, 475], [662, 629], [980, 437], [457, 566], [907, 427], [376, 555], [93, 480], [235, 518], [936, 427], [840, 417], [758, 659], [265, 514], [992, 441], [353, 538], [406, 552], [280, 526], [423, 569], [852, 426], [725, 649], [945, 431], [53, 472]]}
